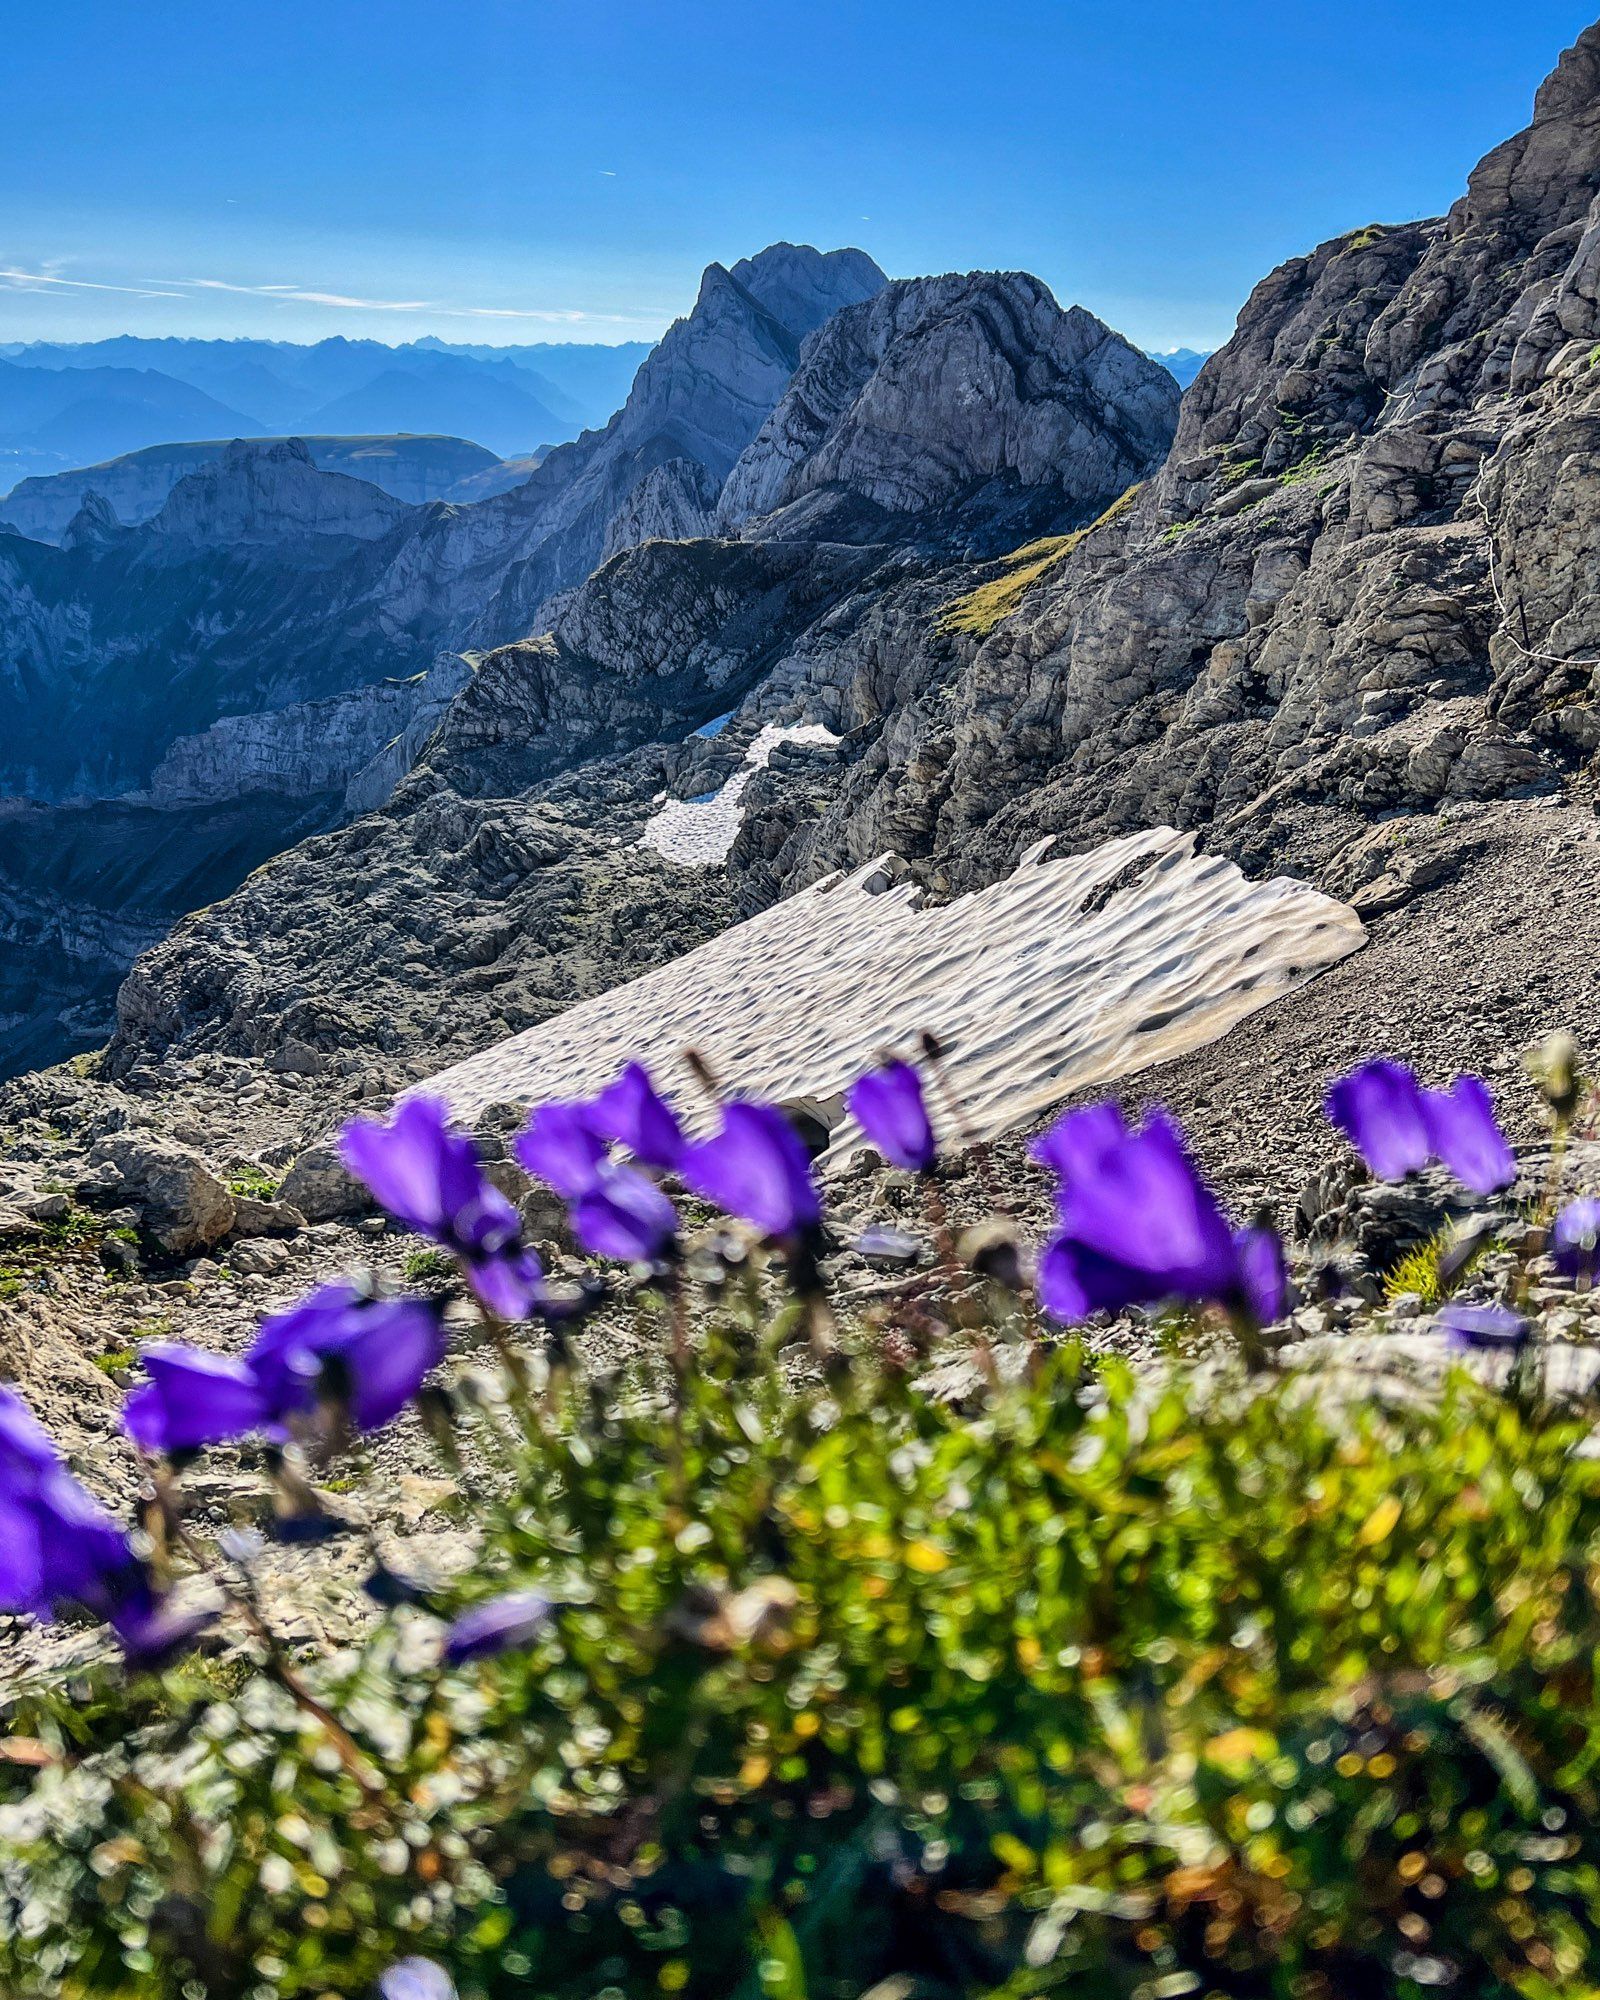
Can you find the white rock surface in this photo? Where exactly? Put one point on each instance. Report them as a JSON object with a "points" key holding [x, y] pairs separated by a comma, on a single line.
{"points": [[700, 832], [1048, 983], [933, 386]]}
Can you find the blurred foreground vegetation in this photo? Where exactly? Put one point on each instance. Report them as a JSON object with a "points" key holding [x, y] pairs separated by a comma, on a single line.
{"points": [[1086, 1686]]}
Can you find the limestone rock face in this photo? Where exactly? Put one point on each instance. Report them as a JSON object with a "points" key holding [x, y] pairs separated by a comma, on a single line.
{"points": [[674, 503], [306, 747], [93, 526], [935, 388], [273, 492]]}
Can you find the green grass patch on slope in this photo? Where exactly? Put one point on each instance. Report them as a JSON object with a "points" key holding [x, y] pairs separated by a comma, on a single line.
{"points": [[982, 609]]}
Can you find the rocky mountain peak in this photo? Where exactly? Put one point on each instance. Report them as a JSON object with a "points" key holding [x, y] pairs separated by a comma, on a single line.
{"points": [[1546, 176], [274, 492], [1573, 86], [801, 287], [94, 524], [1404, 328], [935, 387], [717, 372]]}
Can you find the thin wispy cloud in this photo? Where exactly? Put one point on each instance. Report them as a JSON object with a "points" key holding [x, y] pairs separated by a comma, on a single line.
{"points": [[15, 280], [344, 302], [18, 278]]}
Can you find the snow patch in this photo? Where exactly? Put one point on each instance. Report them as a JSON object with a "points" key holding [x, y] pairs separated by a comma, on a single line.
{"points": [[1061, 979], [699, 832]]}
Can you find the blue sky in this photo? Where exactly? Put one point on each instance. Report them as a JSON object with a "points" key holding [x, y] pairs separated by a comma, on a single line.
{"points": [[522, 170]]}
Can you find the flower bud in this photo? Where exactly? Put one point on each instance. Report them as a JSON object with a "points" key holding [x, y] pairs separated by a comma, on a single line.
{"points": [[1554, 1066]]}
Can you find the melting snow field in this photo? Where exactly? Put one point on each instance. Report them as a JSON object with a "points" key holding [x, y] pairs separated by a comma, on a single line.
{"points": [[1046, 984], [700, 832]]}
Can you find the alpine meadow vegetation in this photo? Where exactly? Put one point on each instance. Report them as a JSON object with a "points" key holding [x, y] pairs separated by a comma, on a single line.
{"points": [[777, 1674]]}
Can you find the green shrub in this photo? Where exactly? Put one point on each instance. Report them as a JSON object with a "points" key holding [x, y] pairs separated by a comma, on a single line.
{"points": [[429, 1267], [1089, 1688], [1435, 1270]]}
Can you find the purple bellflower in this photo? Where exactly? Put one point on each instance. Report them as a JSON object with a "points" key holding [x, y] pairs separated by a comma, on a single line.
{"points": [[1482, 1326], [1263, 1274], [888, 1104], [1075, 1144], [633, 1113], [58, 1546], [756, 1167], [623, 1214], [1575, 1238], [1138, 1225], [561, 1147], [377, 1351], [373, 1354], [416, 1979], [192, 1399], [1398, 1127], [429, 1178], [1465, 1137], [1378, 1108], [497, 1625]]}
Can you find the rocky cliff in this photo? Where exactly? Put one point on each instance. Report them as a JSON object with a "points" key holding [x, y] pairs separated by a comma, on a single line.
{"points": [[1361, 588], [941, 391], [303, 748], [579, 733]]}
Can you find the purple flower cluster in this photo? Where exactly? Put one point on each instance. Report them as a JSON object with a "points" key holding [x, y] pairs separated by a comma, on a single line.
{"points": [[1137, 1225], [429, 1177], [58, 1547], [340, 1345], [1398, 1127], [754, 1166], [617, 1210]]}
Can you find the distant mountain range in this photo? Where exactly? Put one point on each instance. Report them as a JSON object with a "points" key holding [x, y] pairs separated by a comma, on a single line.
{"points": [[256, 646], [1183, 364], [65, 405], [136, 484]]}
